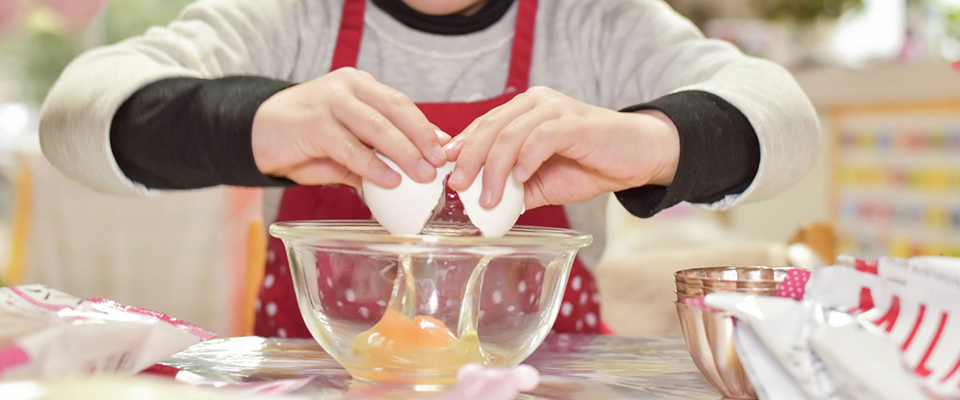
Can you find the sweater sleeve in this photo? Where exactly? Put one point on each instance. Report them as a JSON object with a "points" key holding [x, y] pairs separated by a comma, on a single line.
{"points": [[212, 39], [648, 54]]}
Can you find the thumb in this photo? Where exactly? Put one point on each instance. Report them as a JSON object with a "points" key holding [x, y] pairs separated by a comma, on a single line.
{"points": [[323, 172], [533, 193]]}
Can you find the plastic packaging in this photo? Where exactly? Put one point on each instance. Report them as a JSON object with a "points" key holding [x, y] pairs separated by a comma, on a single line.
{"points": [[913, 305], [865, 329], [125, 388], [45, 333]]}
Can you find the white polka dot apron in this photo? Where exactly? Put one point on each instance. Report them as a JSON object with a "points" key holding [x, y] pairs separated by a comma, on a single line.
{"points": [[277, 310]]}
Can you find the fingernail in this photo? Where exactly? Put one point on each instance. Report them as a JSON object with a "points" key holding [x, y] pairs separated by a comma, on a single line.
{"points": [[486, 198], [519, 174], [452, 145], [451, 154], [438, 155], [457, 178], [443, 136], [425, 170]]}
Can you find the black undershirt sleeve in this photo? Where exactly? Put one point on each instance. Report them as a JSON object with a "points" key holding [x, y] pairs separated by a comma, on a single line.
{"points": [[187, 133], [719, 153]]}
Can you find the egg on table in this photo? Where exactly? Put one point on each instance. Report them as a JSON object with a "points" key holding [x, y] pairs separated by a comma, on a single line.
{"points": [[407, 208]]}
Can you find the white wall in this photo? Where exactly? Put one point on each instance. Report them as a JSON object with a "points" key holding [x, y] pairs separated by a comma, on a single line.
{"points": [[809, 200]]}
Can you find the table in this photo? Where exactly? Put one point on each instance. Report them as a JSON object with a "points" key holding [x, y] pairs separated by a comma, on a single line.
{"points": [[571, 366]]}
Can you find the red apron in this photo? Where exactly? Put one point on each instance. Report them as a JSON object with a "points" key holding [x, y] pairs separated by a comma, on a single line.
{"points": [[277, 310]]}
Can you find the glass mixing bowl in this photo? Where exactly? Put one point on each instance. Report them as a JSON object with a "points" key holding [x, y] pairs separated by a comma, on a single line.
{"points": [[413, 309]]}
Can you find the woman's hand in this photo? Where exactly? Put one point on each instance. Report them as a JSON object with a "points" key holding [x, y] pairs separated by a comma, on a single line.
{"points": [[322, 132], [563, 150]]}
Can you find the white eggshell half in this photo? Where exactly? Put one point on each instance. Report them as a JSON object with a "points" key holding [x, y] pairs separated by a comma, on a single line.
{"points": [[405, 209], [498, 220]]}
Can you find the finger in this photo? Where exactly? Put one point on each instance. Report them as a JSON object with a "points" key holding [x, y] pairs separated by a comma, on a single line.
{"points": [[323, 172], [552, 137], [478, 142], [506, 148], [559, 181], [443, 137], [533, 194], [454, 147], [374, 129], [346, 149], [406, 116]]}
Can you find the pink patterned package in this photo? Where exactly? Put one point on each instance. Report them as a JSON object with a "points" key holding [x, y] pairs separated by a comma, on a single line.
{"points": [[45, 333], [794, 285]]}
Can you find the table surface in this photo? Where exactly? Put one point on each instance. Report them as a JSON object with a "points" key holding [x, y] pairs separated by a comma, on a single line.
{"points": [[571, 367]]}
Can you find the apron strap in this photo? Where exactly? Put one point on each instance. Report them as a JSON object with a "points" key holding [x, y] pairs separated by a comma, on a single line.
{"points": [[522, 52], [347, 49], [351, 34]]}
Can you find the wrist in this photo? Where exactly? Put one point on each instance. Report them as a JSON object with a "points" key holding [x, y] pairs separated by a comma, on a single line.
{"points": [[661, 134], [262, 135]]}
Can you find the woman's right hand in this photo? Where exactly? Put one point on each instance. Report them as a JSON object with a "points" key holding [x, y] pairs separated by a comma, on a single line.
{"points": [[324, 132]]}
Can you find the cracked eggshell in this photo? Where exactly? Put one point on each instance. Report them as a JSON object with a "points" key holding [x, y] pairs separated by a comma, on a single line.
{"points": [[497, 221], [405, 209]]}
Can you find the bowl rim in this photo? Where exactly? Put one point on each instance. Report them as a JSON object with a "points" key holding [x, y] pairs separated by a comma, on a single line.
{"points": [[357, 231], [686, 273]]}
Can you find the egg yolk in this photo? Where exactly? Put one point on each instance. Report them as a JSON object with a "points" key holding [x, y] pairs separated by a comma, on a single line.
{"points": [[423, 344]]}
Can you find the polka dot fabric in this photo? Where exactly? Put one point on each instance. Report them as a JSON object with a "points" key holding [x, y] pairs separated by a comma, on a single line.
{"points": [[580, 309], [794, 285]]}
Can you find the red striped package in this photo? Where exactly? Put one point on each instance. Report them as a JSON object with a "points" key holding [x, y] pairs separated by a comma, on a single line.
{"points": [[913, 304]]}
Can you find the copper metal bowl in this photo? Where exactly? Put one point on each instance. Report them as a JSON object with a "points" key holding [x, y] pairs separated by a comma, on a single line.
{"points": [[706, 291], [709, 338], [754, 275], [699, 290], [709, 334]]}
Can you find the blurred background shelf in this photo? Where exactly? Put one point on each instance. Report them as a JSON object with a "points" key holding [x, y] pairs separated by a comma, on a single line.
{"points": [[882, 84]]}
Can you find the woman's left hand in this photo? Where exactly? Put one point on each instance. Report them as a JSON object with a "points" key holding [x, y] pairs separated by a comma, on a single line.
{"points": [[562, 150]]}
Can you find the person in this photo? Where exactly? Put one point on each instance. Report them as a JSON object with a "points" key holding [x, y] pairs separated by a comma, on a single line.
{"points": [[575, 98]]}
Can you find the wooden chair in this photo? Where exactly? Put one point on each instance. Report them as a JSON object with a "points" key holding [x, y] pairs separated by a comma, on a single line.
{"points": [[821, 237], [256, 259], [22, 210]]}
